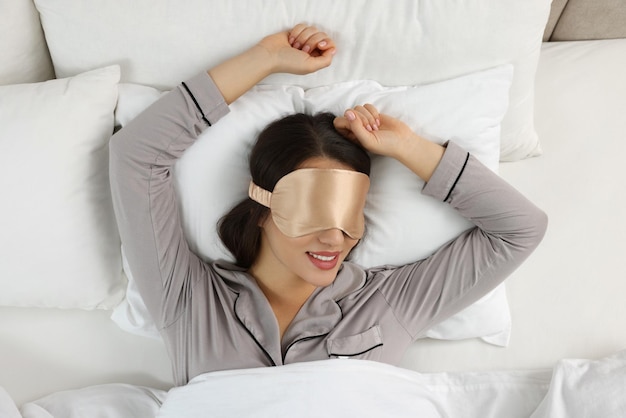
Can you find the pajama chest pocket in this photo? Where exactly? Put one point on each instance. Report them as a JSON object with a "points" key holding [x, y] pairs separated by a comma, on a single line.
{"points": [[366, 345]]}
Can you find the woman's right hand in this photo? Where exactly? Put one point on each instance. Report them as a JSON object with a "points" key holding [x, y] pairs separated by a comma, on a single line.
{"points": [[302, 50]]}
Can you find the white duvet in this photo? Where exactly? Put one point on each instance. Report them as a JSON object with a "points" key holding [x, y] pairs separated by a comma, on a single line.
{"points": [[355, 388]]}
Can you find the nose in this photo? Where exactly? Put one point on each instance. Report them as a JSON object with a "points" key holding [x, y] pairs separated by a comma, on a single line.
{"points": [[331, 237]]}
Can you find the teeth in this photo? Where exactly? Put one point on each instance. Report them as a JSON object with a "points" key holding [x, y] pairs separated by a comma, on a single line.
{"points": [[322, 257]]}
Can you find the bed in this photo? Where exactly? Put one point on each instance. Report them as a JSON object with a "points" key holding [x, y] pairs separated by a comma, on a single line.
{"points": [[535, 88]]}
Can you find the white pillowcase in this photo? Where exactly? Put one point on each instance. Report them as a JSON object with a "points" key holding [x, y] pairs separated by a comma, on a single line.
{"points": [[404, 42], [59, 242], [586, 388], [8, 409], [468, 109], [115, 400]]}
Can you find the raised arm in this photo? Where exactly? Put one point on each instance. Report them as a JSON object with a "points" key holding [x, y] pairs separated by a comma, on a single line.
{"points": [[385, 135], [302, 50], [143, 153], [508, 226]]}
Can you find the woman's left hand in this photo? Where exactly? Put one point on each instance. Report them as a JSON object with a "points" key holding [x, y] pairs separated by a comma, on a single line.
{"points": [[385, 135], [374, 131]]}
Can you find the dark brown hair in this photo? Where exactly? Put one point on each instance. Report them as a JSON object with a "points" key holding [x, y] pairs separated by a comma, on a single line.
{"points": [[282, 147]]}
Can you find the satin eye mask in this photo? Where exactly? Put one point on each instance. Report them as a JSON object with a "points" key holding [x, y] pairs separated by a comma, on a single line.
{"points": [[311, 200]]}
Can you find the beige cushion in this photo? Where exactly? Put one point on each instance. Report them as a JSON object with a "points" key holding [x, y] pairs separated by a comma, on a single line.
{"points": [[575, 20]]}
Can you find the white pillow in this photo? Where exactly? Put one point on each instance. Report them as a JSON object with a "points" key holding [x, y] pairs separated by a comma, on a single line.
{"points": [[59, 241], [115, 400], [23, 50], [586, 388], [404, 42], [468, 109], [8, 409]]}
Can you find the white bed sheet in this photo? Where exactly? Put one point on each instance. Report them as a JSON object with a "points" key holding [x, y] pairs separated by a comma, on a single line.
{"points": [[567, 299], [45, 351]]}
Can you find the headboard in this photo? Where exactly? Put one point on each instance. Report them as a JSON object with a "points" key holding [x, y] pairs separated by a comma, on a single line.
{"points": [[577, 20]]}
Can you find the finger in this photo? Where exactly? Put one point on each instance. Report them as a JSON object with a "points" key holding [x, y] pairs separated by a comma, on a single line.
{"points": [[341, 123], [303, 36], [296, 31], [369, 121], [313, 42], [330, 52], [357, 125], [317, 61], [310, 40], [374, 112], [325, 44]]}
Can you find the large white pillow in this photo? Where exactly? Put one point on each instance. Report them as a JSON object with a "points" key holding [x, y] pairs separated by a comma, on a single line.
{"points": [[583, 388], [59, 244], [23, 51], [402, 42], [468, 109], [114, 400], [8, 409]]}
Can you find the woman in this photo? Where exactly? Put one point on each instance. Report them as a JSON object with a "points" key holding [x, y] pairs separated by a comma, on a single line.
{"points": [[291, 297]]}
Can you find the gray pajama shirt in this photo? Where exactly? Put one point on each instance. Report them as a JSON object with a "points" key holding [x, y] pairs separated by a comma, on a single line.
{"points": [[213, 316]]}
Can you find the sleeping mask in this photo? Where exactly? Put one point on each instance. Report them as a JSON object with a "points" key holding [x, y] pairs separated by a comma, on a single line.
{"points": [[312, 199]]}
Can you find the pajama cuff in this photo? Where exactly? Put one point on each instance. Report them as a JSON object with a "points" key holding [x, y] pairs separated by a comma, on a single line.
{"points": [[207, 97], [447, 173]]}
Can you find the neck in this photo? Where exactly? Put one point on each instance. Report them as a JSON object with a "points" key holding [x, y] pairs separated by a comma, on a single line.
{"points": [[286, 294], [281, 288]]}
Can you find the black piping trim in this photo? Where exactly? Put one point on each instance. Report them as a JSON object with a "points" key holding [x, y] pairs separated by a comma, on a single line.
{"points": [[457, 177], [196, 103], [357, 354], [310, 337], [252, 335]]}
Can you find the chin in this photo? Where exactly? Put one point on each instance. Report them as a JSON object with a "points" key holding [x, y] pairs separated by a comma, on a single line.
{"points": [[322, 279]]}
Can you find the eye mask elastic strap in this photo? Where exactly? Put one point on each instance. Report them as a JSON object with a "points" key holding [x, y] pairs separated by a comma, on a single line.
{"points": [[259, 195]]}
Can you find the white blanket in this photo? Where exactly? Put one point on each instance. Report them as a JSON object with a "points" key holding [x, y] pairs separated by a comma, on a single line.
{"points": [[347, 388], [356, 388], [7, 406]]}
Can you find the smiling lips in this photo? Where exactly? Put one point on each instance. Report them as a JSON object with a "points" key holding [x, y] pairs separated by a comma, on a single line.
{"points": [[324, 260]]}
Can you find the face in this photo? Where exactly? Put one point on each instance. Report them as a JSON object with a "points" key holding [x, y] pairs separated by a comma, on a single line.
{"points": [[314, 258]]}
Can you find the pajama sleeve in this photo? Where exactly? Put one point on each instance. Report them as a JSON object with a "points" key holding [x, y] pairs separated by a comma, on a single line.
{"points": [[508, 228], [142, 156]]}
